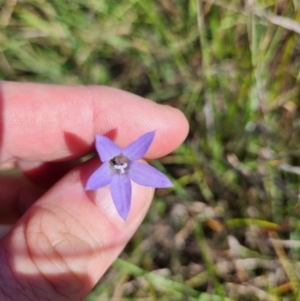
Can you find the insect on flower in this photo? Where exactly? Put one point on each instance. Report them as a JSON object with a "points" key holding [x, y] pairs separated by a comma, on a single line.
{"points": [[119, 168]]}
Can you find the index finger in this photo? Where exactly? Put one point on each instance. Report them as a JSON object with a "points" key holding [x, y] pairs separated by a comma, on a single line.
{"points": [[42, 122]]}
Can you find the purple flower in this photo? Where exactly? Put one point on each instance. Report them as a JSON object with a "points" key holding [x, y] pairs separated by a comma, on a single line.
{"points": [[119, 167]]}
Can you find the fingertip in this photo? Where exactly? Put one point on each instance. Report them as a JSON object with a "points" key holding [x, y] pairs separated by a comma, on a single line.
{"points": [[171, 133]]}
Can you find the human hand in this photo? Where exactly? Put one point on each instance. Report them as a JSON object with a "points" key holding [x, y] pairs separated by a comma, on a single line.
{"points": [[64, 238]]}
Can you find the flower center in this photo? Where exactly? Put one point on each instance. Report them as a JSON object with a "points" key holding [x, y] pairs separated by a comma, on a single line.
{"points": [[119, 164]]}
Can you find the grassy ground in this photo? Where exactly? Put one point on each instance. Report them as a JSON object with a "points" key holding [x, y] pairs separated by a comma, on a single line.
{"points": [[229, 230]]}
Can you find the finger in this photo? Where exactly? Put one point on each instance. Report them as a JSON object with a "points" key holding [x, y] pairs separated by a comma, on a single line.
{"points": [[67, 239], [17, 194], [19, 189], [46, 174], [50, 122]]}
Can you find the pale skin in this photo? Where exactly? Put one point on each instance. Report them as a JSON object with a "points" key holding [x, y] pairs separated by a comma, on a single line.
{"points": [[63, 238]]}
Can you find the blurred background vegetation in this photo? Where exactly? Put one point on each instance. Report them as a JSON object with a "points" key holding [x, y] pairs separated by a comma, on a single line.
{"points": [[230, 228]]}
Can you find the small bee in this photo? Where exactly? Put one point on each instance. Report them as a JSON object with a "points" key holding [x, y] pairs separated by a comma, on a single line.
{"points": [[119, 164], [114, 161]]}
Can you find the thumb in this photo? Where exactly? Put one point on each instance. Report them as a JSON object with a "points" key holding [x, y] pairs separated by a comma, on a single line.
{"points": [[67, 240]]}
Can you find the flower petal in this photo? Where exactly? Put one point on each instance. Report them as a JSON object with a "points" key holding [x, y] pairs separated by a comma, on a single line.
{"points": [[99, 178], [147, 175], [120, 189], [106, 148], [138, 148]]}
